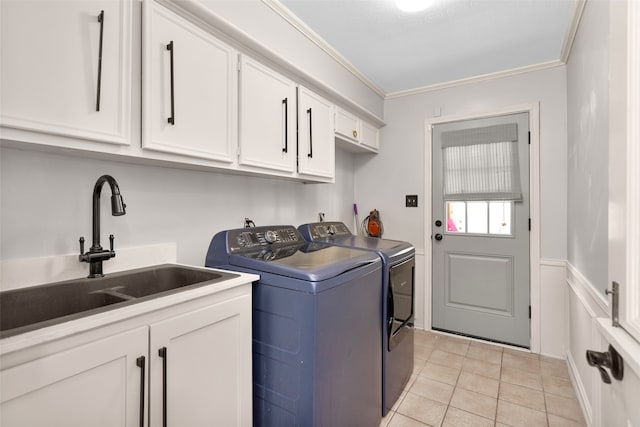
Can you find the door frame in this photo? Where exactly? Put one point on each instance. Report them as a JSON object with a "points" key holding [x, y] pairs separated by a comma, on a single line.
{"points": [[533, 109]]}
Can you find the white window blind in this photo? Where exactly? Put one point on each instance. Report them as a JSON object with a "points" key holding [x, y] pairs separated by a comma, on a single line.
{"points": [[481, 164]]}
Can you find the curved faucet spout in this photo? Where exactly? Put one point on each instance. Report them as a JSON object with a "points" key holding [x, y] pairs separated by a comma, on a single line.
{"points": [[118, 208], [96, 254]]}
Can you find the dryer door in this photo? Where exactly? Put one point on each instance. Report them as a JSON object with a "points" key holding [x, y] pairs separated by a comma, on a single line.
{"points": [[400, 301]]}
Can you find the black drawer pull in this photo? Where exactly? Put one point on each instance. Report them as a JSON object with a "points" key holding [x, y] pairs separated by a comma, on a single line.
{"points": [[172, 119], [140, 362], [310, 155], [163, 353], [101, 21]]}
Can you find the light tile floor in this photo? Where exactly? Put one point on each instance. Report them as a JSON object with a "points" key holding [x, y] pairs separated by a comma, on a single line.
{"points": [[458, 382]]}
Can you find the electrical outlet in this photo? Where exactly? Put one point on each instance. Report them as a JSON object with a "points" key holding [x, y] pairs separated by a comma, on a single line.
{"points": [[411, 201]]}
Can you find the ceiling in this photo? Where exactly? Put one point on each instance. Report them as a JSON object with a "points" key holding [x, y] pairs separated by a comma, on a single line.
{"points": [[396, 52]]}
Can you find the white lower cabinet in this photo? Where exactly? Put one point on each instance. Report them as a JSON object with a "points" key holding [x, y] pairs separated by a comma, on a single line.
{"points": [[192, 367], [95, 384], [203, 359]]}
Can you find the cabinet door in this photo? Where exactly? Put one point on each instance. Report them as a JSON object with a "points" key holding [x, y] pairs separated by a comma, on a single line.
{"points": [[66, 71], [316, 146], [267, 118], [96, 384], [347, 125], [370, 136], [205, 367], [190, 88]]}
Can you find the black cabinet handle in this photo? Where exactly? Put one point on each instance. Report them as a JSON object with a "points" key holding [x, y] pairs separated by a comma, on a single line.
{"points": [[140, 363], [286, 124], [172, 119], [310, 155], [163, 353], [101, 21]]}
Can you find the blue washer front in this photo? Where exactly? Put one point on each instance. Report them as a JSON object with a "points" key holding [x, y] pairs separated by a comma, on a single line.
{"points": [[398, 294], [315, 327]]}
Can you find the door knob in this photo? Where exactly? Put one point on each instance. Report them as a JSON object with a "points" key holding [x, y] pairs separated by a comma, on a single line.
{"points": [[438, 237], [609, 359]]}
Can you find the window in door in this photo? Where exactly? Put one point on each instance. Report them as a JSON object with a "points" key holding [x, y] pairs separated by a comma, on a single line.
{"points": [[491, 218]]}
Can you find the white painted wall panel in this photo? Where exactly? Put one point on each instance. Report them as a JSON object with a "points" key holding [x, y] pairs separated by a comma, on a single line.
{"points": [[46, 203], [580, 339], [553, 311]]}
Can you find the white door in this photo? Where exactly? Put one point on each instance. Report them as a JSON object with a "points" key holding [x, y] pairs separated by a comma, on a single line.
{"points": [[96, 384], [190, 88], [480, 240], [316, 145], [267, 118], [66, 68], [203, 361]]}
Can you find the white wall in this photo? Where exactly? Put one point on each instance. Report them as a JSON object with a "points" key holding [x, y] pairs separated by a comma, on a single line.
{"points": [[587, 139], [46, 203], [382, 181]]}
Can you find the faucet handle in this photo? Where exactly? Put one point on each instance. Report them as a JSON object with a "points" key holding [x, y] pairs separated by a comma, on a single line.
{"points": [[81, 245], [111, 242]]}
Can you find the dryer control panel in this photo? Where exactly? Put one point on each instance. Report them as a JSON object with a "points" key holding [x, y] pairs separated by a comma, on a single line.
{"points": [[325, 230], [252, 238]]}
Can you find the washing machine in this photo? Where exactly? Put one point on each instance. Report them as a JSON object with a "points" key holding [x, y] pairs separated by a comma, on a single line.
{"points": [[397, 305], [315, 327]]}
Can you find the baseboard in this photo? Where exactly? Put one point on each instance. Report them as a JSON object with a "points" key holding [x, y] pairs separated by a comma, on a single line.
{"points": [[581, 392]]}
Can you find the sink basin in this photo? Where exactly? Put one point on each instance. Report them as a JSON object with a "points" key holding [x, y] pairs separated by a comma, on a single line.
{"points": [[31, 308]]}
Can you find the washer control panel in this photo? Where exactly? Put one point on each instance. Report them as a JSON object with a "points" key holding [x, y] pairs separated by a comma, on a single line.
{"points": [[324, 230], [252, 238]]}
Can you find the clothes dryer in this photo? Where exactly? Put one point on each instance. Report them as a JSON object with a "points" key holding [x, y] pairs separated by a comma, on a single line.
{"points": [[315, 327], [397, 303]]}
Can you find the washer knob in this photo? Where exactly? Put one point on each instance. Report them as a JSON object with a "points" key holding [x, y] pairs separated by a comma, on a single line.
{"points": [[270, 236]]}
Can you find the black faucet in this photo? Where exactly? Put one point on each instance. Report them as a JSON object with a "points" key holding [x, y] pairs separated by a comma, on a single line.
{"points": [[96, 254]]}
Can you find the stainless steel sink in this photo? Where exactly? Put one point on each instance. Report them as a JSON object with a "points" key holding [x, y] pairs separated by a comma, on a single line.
{"points": [[27, 309]]}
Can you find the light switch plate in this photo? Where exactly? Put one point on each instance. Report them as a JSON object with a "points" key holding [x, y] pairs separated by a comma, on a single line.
{"points": [[411, 201]]}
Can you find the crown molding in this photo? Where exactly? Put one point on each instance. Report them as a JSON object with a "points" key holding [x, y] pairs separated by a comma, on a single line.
{"points": [[293, 20], [574, 22], [315, 38], [475, 79]]}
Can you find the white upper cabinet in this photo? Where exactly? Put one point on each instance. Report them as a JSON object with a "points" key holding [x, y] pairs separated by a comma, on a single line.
{"points": [[354, 134], [66, 68], [316, 146], [369, 136], [267, 118], [189, 88], [347, 125]]}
